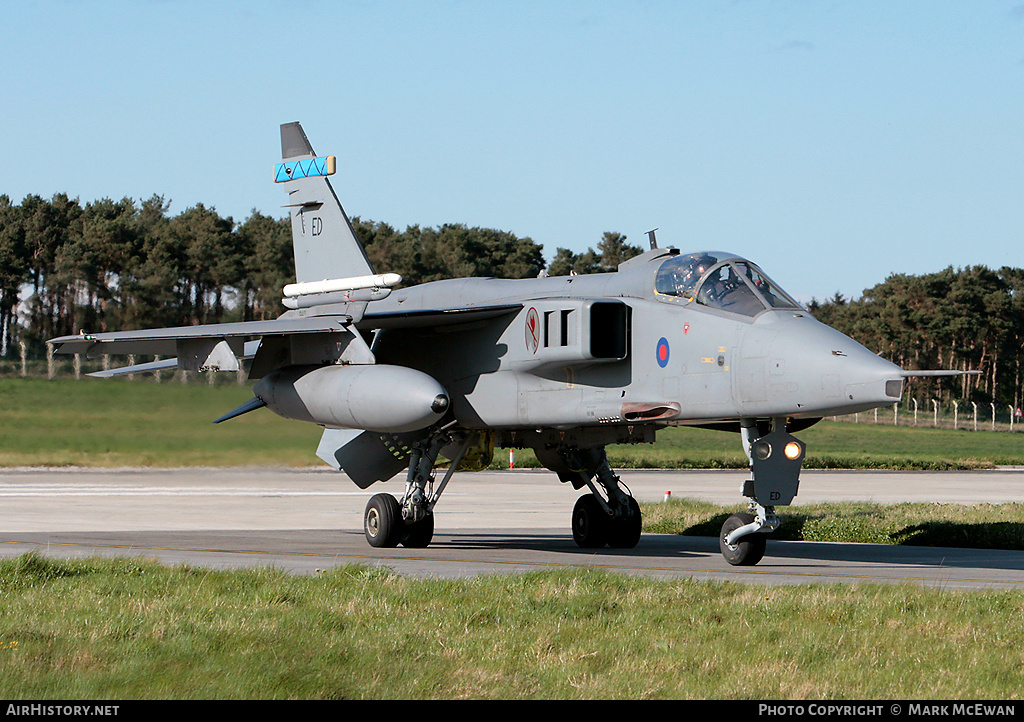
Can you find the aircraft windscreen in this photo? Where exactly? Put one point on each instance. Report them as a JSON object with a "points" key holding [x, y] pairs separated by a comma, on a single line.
{"points": [[775, 296], [722, 281], [679, 276], [724, 288]]}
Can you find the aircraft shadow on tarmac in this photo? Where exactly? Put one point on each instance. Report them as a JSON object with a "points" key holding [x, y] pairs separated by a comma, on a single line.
{"points": [[790, 553]]}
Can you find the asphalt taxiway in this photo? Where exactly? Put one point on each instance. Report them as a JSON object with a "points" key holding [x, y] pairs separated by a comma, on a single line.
{"points": [[303, 520]]}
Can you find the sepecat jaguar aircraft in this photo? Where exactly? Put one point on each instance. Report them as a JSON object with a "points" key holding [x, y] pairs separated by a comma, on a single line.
{"points": [[441, 373]]}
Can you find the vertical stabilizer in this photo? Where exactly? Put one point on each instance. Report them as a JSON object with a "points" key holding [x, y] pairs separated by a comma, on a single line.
{"points": [[325, 244]]}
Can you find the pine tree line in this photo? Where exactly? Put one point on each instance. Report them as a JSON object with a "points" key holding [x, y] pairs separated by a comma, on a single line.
{"points": [[965, 319], [110, 265]]}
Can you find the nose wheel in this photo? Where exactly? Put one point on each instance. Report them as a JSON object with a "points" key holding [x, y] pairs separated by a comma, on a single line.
{"points": [[746, 551]]}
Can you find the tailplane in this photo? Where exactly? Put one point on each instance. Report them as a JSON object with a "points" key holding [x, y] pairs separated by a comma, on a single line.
{"points": [[325, 245]]}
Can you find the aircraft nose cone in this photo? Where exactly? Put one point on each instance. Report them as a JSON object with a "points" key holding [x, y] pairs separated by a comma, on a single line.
{"points": [[871, 379], [819, 371]]}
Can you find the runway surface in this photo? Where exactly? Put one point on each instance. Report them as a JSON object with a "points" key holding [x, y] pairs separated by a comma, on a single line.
{"points": [[486, 523]]}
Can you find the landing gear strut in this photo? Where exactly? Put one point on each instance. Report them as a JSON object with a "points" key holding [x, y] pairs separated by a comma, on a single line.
{"points": [[775, 460], [388, 522], [608, 516]]}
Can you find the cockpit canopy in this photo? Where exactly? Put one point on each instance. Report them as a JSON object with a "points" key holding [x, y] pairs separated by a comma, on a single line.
{"points": [[720, 280]]}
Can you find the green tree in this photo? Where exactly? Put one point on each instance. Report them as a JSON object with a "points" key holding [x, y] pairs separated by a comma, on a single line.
{"points": [[212, 258], [49, 225], [266, 245], [13, 269]]}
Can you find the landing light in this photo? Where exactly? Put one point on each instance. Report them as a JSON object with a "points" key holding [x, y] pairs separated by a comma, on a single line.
{"points": [[793, 451], [762, 450]]}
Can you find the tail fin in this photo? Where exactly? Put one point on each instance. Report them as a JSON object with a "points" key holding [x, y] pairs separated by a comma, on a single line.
{"points": [[324, 243]]}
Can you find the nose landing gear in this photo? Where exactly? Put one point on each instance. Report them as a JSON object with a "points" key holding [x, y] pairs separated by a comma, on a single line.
{"points": [[775, 461]]}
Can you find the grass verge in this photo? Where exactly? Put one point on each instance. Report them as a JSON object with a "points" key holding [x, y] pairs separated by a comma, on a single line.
{"points": [[117, 422], [132, 629]]}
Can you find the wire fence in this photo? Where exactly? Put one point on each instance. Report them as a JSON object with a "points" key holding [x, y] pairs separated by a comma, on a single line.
{"points": [[76, 366], [932, 413]]}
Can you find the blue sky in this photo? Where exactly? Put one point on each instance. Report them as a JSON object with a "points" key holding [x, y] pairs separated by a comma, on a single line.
{"points": [[833, 143]]}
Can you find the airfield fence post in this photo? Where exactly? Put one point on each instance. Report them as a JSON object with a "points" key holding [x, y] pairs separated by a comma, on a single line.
{"points": [[876, 415], [106, 362], [956, 412], [915, 411], [993, 405], [78, 366], [895, 418], [935, 418], [131, 362], [49, 360], [24, 356], [157, 374], [1011, 418], [975, 405]]}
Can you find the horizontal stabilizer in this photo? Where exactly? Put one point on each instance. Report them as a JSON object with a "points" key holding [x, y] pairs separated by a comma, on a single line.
{"points": [[167, 363], [249, 350], [943, 372]]}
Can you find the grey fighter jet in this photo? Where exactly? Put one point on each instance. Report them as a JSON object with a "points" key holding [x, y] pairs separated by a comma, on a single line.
{"points": [[440, 374]]}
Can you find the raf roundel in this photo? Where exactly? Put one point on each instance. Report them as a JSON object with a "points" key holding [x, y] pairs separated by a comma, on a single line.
{"points": [[662, 353]]}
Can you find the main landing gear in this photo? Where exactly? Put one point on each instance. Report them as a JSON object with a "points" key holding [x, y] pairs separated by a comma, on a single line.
{"points": [[595, 526], [775, 459], [608, 515], [409, 521]]}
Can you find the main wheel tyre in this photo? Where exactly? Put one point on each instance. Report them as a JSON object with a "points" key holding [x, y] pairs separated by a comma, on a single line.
{"points": [[382, 521], [625, 530], [418, 534], [590, 523], [746, 552]]}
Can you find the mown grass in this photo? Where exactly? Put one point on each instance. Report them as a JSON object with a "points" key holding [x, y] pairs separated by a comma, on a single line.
{"points": [[132, 629], [117, 422], [978, 526]]}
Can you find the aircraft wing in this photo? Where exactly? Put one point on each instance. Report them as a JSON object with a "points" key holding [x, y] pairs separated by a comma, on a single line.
{"points": [[431, 317], [165, 341], [221, 346]]}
